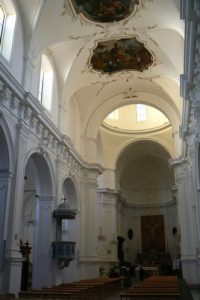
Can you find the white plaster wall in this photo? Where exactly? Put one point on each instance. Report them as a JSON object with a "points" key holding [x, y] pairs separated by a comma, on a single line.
{"points": [[132, 219], [34, 133], [71, 123], [53, 114], [107, 234], [113, 143], [147, 180]]}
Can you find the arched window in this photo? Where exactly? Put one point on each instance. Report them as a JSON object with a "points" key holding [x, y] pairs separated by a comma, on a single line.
{"points": [[113, 115], [46, 82], [7, 28], [141, 112], [2, 23]]}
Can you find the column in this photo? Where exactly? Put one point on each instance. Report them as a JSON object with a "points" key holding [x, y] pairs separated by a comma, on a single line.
{"points": [[5, 179], [88, 225], [42, 260], [89, 213], [187, 219], [13, 258], [107, 225]]}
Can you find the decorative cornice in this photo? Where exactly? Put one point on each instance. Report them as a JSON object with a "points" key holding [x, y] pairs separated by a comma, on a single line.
{"points": [[111, 197], [190, 80], [152, 205], [29, 113], [133, 131], [177, 161]]}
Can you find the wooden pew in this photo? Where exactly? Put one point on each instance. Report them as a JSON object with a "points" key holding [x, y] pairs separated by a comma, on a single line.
{"points": [[89, 289], [158, 288]]}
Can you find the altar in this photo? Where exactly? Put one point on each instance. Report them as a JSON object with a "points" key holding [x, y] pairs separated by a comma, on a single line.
{"points": [[151, 271]]}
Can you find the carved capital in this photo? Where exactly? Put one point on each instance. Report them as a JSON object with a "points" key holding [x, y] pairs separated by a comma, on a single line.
{"points": [[181, 168]]}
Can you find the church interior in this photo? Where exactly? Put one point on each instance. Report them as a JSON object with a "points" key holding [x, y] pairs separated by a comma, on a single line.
{"points": [[99, 140]]}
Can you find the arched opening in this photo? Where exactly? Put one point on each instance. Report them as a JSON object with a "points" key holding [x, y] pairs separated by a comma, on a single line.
{"points": [[70, 227], [4, 181], [145, 182], [37, 219]]}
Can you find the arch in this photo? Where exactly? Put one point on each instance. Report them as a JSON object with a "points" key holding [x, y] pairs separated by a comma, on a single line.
{"points": [[118, 150], [46, 165], [69, 191], [138, 167], [6, 172], [95, 118], [71, 228], [112, 103], [129, 147], [5, 133], [143, 140], [4, 161], [37, 213]]}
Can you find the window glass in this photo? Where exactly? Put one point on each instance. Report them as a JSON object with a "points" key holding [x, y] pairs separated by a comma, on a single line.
{"points": [[7, 28], [2, 23], [141, 112], [113, 115], [46, 82]]}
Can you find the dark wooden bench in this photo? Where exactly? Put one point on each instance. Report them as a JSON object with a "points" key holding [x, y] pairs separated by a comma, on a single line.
{"points": [[89, 289], [158, 288]]}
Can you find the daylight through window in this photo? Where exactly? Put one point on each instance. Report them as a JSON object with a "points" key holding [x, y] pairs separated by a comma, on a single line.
{"points": [[141, 112], [46, 82]]}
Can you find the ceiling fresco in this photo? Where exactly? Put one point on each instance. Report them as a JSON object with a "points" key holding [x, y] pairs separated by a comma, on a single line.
{"points": [[105, 10], [117, 55]]}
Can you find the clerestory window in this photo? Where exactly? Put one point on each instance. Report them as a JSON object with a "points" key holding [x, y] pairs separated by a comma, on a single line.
{"points": [[141, 112], [46, 82], [113, 115], [2, 23], [7, 28]]}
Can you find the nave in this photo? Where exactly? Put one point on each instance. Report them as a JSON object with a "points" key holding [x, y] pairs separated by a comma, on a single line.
{"points": [[99, 140]]}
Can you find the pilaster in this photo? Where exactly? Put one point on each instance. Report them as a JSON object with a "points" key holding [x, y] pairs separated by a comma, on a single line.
{"points": [[89, 217], [107, 201], [27, 74], [187, 219], [43, 251], [13, 258]]}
